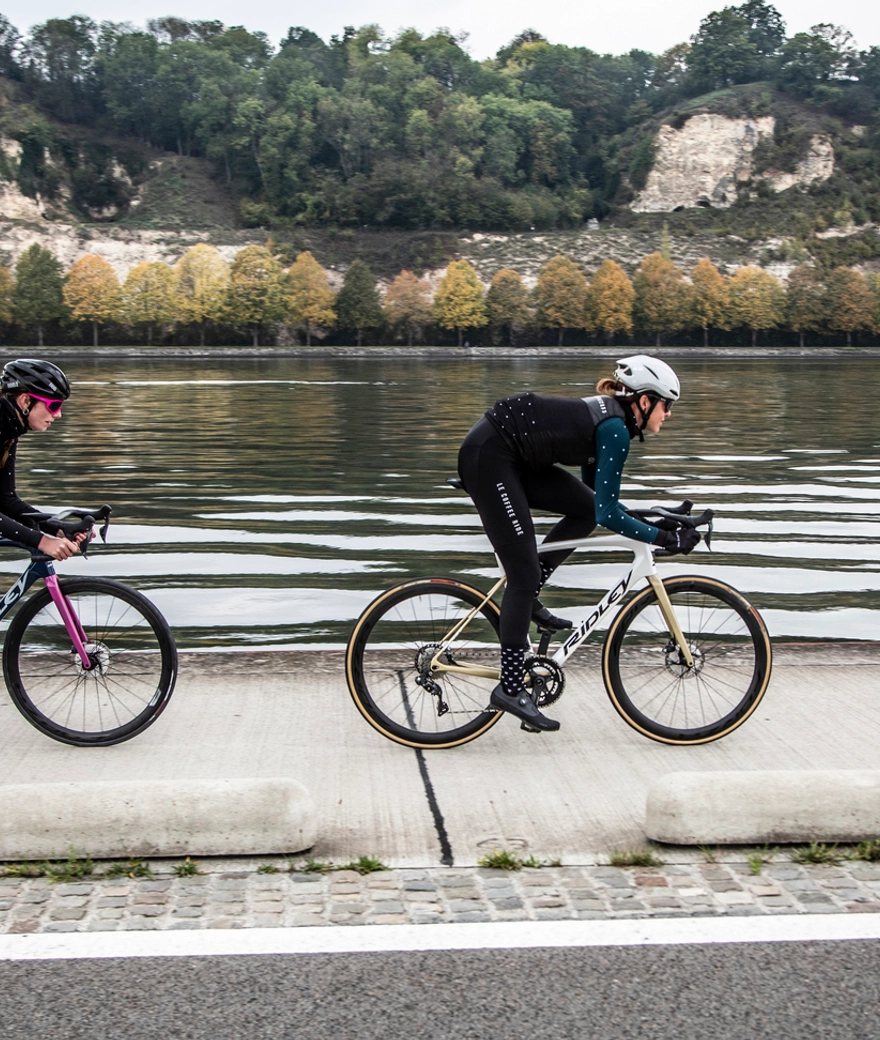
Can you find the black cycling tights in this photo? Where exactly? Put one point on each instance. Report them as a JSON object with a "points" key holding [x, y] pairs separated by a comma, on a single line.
{"points": [[504, 492]]}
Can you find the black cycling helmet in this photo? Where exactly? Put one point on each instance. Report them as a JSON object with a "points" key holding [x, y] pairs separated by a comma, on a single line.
{"points": [[30, 376]]}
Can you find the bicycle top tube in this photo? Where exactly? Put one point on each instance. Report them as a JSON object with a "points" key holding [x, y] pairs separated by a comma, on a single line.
{"points": [[602, 541]]}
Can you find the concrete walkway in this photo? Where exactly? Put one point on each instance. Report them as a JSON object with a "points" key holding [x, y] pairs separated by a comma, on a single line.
{"points": [[237, 895], [574, 796]]}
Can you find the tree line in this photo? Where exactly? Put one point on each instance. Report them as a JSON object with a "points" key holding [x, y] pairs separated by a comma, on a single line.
{"points": [[409, 130], [256, 292]]}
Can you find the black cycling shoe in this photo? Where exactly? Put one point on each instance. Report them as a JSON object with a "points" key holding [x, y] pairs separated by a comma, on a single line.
{"points": [[544, 619], [523, 707]]}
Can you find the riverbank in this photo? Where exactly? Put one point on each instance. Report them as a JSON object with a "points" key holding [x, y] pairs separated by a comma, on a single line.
{"points": [[448, 353]]}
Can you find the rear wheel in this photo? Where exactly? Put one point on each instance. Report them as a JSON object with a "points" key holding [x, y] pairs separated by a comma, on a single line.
{"points": [[651, 685], [388, 663], [133, 664]]}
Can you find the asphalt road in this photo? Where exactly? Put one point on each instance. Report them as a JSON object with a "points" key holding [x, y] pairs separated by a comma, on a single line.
{"points": [[730, 992]]}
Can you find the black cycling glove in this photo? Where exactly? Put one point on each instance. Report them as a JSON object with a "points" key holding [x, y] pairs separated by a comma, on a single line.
{"points": [[683, 540]]}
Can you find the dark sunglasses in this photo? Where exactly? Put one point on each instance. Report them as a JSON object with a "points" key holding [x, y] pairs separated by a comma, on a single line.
{"points": [[665, 401], [53, 405]]}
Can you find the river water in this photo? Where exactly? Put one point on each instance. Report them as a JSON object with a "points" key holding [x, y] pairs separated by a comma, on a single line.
{"points": [[263, 503]]}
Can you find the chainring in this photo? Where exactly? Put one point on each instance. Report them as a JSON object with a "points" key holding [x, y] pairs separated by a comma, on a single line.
{"points": [[547, 680]]}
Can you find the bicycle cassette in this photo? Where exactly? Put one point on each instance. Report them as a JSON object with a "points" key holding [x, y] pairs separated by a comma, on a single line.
{"points": [[546, 679]]}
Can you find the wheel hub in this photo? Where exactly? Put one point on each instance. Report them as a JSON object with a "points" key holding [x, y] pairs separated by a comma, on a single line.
{"points": [[676, 663], [99, 657]]}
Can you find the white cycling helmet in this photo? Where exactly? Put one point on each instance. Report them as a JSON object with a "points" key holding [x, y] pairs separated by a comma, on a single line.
{"points": [[648, 375]]}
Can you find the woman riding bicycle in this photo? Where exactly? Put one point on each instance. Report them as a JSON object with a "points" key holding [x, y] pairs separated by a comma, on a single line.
{"points": [[510, 461], [31, 395]]}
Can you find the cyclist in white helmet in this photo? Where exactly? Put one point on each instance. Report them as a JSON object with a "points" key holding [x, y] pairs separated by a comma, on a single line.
{"points": [[512, 461]]}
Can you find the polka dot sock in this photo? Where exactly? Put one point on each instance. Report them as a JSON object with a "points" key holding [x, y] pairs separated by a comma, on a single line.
{"points": [[512, 669]]}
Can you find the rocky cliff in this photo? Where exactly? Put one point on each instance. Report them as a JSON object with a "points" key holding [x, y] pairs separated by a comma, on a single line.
{"points": [[704, 162]]}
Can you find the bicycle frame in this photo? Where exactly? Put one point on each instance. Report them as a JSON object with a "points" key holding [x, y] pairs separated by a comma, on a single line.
{"points": [[43, 567], [643, 567]]}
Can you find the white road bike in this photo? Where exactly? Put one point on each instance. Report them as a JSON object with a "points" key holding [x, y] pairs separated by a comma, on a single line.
{"points": [[686, 659]]}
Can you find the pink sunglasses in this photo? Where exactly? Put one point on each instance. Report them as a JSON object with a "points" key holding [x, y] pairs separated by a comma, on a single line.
{"points": [[53, 405]]}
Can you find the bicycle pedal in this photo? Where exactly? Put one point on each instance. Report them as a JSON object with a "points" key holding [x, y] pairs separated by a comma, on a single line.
{"points": [[530, 729]]}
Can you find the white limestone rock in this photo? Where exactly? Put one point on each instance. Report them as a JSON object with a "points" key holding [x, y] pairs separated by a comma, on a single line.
{"points": [[702, 163]]}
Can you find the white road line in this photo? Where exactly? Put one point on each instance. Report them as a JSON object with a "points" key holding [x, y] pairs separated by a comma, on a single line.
{"points": [[387, 938]]}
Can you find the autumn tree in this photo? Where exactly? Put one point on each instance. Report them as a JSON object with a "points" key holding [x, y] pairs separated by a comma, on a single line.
{"points": [[255, 289], [147, 296], [709, 298], [561, 296], [7, 288], [507, 302], [610, 300], [408, 304], [661, 296], [357, 302], [805, 301], [38, 296], [308, 299], [458, 302], [201, 284], [757, 300], [851, 302], [91, 292]]}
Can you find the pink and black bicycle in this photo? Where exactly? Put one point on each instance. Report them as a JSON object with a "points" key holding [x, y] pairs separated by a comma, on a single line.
{"points": [[88, 661]]}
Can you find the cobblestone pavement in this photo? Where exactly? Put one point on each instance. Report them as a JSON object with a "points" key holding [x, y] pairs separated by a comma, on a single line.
{"points": [[248, 898]]}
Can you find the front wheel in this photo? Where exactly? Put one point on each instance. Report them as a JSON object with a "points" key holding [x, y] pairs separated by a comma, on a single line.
{"points": [[651, 685], [132, 655], [389, 656]]}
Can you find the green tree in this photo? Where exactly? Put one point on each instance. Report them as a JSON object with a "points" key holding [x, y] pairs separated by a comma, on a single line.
{"points": [[661, 296], [38, 296], [458, 302], [308, 298], [810, 60], [851, 302], [507, 302], [7, 291], [60, 59], [91, 292], [757, 300], [806, 301], [721, 52], [201, 285], [561, 296], [709, 298], [357, 303], [408, 304], [610, 300], [147, 296], [255, 289]]}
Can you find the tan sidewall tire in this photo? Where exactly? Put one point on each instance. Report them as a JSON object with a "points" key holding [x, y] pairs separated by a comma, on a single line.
{"points": [[623, 618]]}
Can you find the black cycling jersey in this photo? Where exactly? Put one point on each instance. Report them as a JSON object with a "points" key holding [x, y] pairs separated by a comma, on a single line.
{"points": [[11, 506], [545, 430]]}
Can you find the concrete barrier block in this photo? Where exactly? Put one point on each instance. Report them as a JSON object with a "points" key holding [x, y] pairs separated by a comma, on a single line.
{"points": [[745, 808], [110, 820]]}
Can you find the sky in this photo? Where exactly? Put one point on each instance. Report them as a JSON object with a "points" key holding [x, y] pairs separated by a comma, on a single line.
{"points": [[652, 25]]}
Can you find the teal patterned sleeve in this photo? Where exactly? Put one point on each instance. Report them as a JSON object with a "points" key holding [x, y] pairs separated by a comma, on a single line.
{"points": [[612, 448]]}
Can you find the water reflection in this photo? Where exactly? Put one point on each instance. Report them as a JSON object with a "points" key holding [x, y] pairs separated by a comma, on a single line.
{"points": [[266, 502]]}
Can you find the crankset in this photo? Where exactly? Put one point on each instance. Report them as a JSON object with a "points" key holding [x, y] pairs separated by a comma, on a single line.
{"points": [[546, 679]]}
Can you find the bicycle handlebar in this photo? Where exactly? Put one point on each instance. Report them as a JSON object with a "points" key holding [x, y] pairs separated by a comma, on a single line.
{"points": [[52, 523]]}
